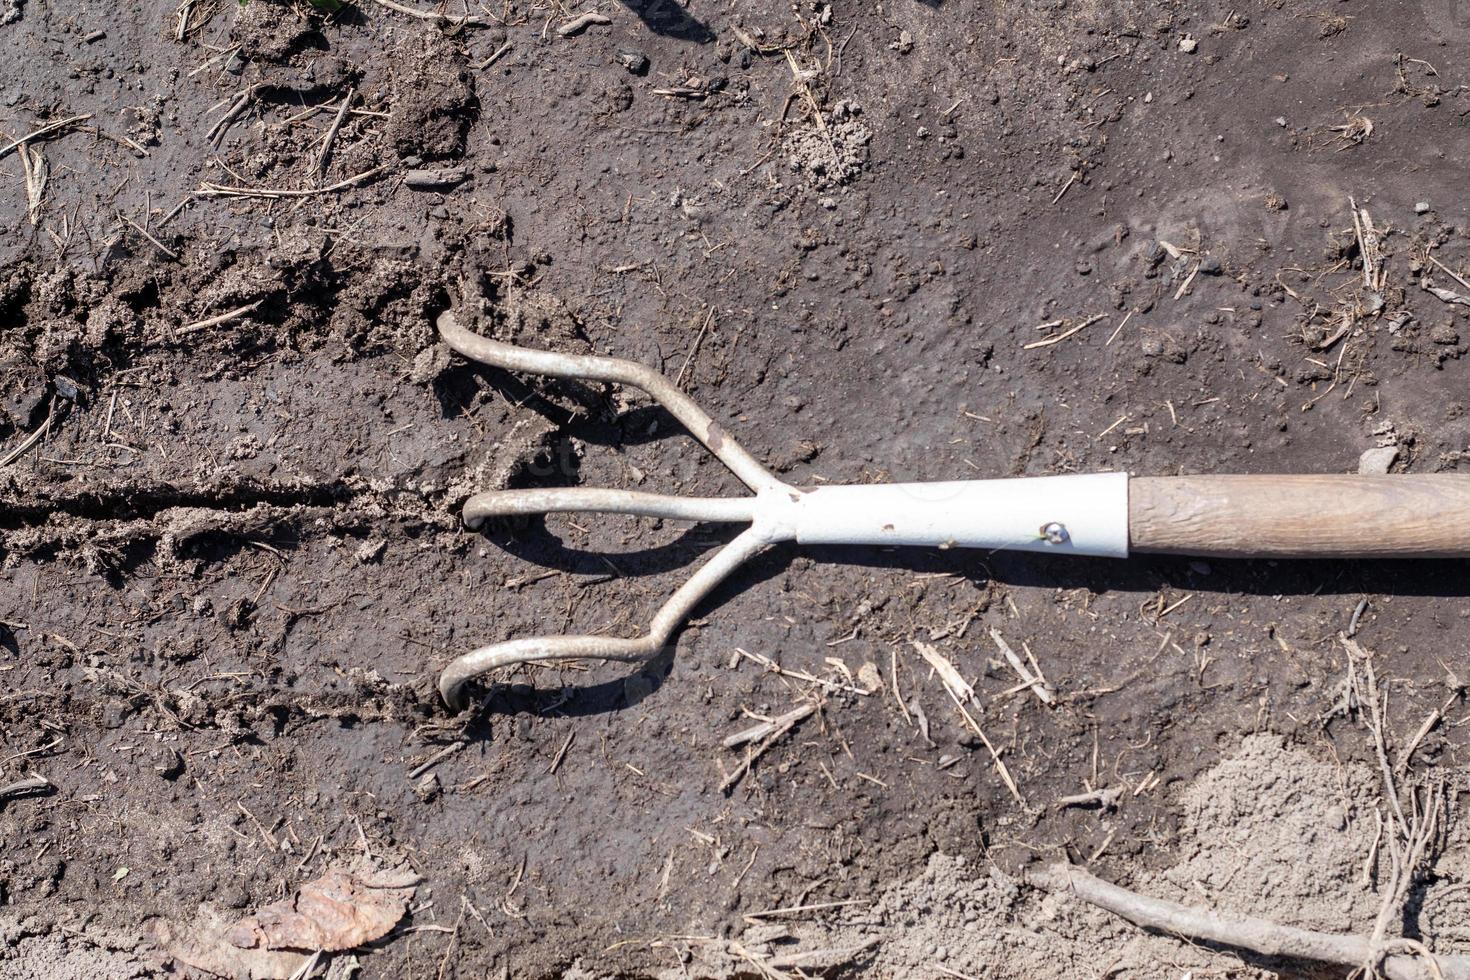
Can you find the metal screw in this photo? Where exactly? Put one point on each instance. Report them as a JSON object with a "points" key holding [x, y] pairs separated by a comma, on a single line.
{"points": [[1054, 533]]}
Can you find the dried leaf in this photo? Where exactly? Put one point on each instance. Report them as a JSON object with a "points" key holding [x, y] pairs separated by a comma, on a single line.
{"points": [[201, 944], [340, 910], [1449, 295], [958, 687], [337, 911]]}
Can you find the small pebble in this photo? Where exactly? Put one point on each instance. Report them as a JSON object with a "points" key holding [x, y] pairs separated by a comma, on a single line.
{"points": [[371, 550], [635, 61], [1376, 462], [67, 388], [1421, 208], [1281, 121], [1188, 44], [428, 788]]}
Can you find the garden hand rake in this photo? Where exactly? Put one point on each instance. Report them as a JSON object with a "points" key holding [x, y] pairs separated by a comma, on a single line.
{"points": [[1100, 514]]}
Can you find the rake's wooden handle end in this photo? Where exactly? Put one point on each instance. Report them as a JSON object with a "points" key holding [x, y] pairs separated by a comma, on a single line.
{"points": [[1311, 516]]}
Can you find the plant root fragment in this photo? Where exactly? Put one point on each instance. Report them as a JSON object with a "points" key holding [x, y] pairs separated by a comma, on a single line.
{"points": [[1247, 932]]}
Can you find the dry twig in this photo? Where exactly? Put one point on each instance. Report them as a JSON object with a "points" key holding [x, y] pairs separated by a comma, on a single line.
{"points": [[1246, 932], [435, 759], [320, 167], [581, 22], [495, 56], [962, 694], [1037, 685], [207, 189], [1410, 840], [50, 129], [36, 175], [788, 721], [757, 732], [800, 675], [218, 319], [239, 102], [1103, 799], [1369, 247], [1058, 338], [27, 785], [150, 237], [32, 439], [468, 20]]}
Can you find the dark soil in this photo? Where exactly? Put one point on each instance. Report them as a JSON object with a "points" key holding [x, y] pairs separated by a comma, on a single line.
{"points": [[232, 568]]}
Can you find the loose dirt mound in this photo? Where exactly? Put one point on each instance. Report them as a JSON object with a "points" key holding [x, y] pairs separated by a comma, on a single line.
{"points": [[1271, 831], [34, 951]]}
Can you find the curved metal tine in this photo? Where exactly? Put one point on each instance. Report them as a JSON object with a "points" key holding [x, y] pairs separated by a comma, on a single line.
{"points": [[673, 612], [611, 369], [572, 500]]}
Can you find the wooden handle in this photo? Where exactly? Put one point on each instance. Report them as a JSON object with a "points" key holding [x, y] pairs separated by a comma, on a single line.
{"points": [[1317, 516]]}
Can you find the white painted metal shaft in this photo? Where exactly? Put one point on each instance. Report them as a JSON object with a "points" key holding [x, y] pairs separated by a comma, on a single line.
{"points": [[1085, 514]]}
